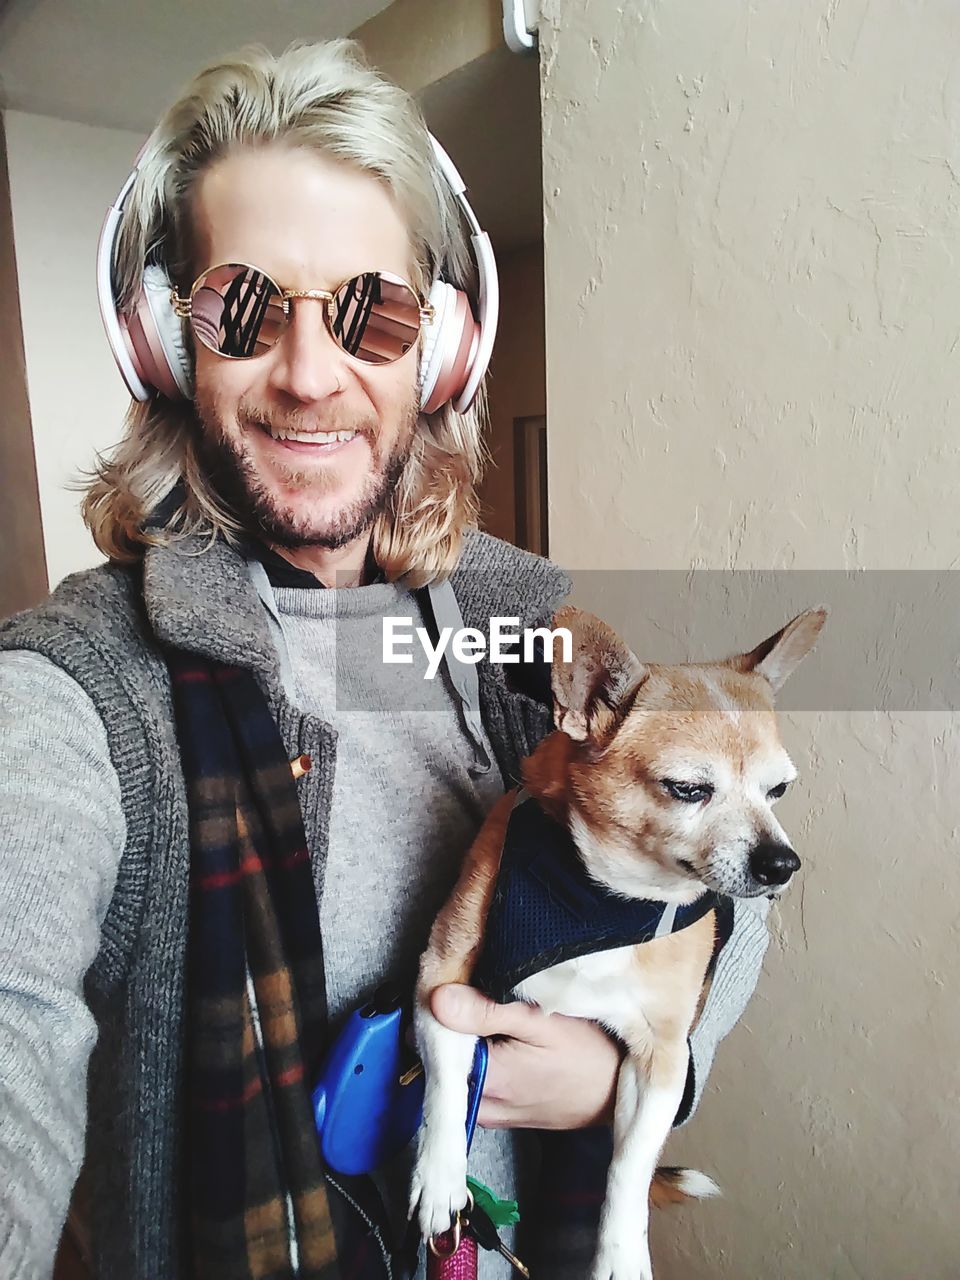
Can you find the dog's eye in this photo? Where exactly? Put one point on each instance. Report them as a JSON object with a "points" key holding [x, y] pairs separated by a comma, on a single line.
{"points": [[776, 792], [688, 792]]}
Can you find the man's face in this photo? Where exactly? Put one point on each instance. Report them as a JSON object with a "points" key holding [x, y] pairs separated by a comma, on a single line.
{"points": [[308, 223]]}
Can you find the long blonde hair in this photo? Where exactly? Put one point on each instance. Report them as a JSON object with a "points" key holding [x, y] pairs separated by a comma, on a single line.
{"points": [[326, 97]]}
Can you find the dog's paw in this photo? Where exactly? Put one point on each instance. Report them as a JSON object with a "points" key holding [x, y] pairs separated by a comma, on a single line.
{"points": [[438, 1188], [620, 1260]]}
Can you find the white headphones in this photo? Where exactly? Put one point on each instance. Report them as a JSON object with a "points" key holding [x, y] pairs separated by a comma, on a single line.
{"points": [[149, 346]]}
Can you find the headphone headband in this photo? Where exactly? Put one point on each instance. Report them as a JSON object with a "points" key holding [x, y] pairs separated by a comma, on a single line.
{"points": [[488, 282], [116, 332], [150, 353]]}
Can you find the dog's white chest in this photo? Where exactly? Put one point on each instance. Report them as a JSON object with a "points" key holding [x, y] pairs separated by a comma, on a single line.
{"points": [[606, 987]]}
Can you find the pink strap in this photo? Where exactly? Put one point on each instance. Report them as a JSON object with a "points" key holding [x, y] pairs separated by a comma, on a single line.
{"points": [[461, 1265]]}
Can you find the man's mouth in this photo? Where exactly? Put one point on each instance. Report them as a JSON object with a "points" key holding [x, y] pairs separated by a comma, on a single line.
{"points": [[310, 442]]}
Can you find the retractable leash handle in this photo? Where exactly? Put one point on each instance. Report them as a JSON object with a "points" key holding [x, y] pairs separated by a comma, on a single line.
{"points": [[368, 1105], [364, 1112]]}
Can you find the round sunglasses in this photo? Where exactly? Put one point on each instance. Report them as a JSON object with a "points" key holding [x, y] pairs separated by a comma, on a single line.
{"points": [[237, 311]]}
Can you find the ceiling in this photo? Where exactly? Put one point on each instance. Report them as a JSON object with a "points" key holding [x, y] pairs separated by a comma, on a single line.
{"points": [[118, 63]]}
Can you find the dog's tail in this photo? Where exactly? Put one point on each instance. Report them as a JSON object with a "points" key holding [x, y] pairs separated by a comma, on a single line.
{"points": [[674, 1186]]}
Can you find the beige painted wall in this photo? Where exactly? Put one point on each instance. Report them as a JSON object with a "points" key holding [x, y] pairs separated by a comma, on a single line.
{"points": [[516, 382], [752, 238], [62, 178]]}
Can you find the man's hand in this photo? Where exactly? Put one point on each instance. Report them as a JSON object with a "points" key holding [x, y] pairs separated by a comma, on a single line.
{"points": [[551, 1072]]}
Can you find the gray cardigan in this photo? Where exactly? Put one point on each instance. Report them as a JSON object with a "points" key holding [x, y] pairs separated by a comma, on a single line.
{"points": [[101, 628]]}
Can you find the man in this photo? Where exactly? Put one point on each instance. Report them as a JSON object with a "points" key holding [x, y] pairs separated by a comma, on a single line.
{"points": [[149, 707]]}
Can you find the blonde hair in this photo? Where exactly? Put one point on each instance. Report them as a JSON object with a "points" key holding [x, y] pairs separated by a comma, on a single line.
{"points": [[325, 97]]}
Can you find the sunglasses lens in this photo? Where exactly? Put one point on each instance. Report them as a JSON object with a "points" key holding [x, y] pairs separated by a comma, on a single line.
{"points": [[376, 317], [236, 310]]}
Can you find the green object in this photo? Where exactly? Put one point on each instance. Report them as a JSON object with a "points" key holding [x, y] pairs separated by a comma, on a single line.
{"points": [[502, 1213]]}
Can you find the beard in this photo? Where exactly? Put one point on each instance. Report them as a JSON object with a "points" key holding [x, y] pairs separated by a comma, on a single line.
{"points": [[256, 502]]}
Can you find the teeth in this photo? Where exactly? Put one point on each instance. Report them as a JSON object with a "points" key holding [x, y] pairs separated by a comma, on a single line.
{"points": [[314, 437]]}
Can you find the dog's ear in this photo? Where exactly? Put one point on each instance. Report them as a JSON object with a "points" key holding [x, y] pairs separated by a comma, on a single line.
{"points": [[780, 655], [592, 693]]}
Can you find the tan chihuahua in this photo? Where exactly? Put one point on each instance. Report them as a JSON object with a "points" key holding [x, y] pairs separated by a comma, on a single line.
{"points": [[662, 780]]}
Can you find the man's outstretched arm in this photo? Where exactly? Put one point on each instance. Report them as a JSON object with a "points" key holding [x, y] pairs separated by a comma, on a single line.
{"points": [[61, 833]]}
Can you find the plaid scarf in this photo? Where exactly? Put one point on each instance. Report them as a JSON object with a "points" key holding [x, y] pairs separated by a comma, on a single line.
{"points": [[256, 1009]]}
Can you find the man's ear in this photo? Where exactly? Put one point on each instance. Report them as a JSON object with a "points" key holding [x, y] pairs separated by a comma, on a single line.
{"points": [[780, 655], [592, 693]]}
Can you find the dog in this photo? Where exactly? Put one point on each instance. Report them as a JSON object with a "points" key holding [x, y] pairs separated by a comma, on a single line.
{"points": [[662, 779]]}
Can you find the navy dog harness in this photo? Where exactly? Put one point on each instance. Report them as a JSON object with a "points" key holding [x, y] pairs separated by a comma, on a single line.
{"points": [[546, 909]]}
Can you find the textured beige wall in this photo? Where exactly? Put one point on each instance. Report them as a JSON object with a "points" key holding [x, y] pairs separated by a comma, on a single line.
{"points": [[516, 382], [753, 341]]}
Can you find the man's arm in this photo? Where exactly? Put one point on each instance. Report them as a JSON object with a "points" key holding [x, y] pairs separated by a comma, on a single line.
{"points": [[61, 834], [734, 981]]}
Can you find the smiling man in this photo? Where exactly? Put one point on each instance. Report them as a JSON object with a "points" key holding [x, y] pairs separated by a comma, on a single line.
{"points": [[313, 483], [184, 917]]}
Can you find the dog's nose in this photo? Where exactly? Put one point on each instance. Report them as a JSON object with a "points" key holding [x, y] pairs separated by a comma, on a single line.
{"points": [[772, 863]]}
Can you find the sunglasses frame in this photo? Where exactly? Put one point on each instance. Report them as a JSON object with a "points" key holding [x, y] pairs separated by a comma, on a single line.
{"points": [[184, 309]]}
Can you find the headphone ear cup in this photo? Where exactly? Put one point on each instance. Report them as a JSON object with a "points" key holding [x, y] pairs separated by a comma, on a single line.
{"points": [[170, 332], [429, 365], [449, 346], [154, 333]]}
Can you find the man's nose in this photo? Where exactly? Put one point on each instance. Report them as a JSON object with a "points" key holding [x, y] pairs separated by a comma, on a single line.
{"points": [[772, 863], [309, 365]]}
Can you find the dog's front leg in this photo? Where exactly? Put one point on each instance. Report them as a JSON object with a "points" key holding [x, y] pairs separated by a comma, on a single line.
{"points": [[439, 1184], [649, 1090]]}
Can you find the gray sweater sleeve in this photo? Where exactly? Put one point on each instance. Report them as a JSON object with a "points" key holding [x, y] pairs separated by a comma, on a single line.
{"points": [[62, 832], [734, 981]]}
